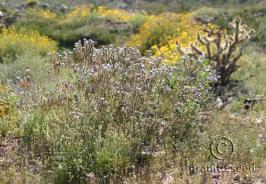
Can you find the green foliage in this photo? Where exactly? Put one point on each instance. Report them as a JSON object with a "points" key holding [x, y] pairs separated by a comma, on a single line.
{"points": [[36, 131], [252, 14], [8, 113], [156, 30], [66, 31], [136, 22], [34, 67], [15, 43], [251, 70], [17, 175]]}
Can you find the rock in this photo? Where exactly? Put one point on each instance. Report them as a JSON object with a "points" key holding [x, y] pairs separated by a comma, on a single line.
{"points": [[259, 180], [205, 116], [260, 139], [237, 179], [247, 180], [230, 99], [219, 103], [44, 5], [258, 121], [216, 176], [1, 17], [91, 177], [166, 178], [250, 102], [10, 20], [122, 6], [21, 7], [205, 20], [63, 8]]}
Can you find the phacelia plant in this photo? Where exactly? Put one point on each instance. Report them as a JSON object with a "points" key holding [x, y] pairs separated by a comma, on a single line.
{"points": [[116, 110]]}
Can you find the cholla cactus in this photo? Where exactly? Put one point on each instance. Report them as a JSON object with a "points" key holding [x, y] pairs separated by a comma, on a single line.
{"points": [[223, 50]]}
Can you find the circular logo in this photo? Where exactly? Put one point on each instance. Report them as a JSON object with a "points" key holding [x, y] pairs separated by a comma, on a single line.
{"points": [[221, 147]]}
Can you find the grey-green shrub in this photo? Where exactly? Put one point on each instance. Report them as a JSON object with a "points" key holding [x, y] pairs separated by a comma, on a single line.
{"points": [[117, 111]]}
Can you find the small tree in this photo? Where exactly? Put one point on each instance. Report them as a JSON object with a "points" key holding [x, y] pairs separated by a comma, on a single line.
{"points": [[223, 49]]}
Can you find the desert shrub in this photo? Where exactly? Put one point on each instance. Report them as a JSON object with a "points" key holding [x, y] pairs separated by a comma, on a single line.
{"points": [[161, 34], [120, 15], [185, 33], [59, 28], [33, 67], [114, 14], [251, 67], [155, 30], [13, 43], [253, 14], [115, 112], [136, 21], [31, 3], [41, 13], [36, 133], [79, 11], [152, 7], [208, 12], [8, 113], [260, 37]]}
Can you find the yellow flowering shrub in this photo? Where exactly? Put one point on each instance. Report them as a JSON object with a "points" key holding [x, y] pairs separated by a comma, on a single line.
{"points": [[186, 33], [155, 30], [41, 13], [15, 42], [161, 34], [79, 11], [47, 14], [116, 14]]}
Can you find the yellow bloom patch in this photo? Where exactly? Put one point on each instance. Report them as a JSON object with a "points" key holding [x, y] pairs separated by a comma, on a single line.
{"points": [[47, 14], [170, 29], [79, 11], [117, 14], [12, 40]]}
